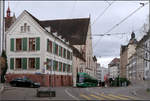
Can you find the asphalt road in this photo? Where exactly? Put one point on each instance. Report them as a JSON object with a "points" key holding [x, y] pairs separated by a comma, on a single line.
{"points": [[70, 93]]}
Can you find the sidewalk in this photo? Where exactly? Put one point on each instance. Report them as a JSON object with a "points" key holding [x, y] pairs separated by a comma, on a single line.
{"points": [[1, 87], [140, 89], [143, 94]]}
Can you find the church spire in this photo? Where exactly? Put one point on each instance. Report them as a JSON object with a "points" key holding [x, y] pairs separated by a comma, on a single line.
{"points": [[8, 11]]}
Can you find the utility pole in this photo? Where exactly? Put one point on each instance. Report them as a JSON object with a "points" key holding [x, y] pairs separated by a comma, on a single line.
{"points": [[2, 37]]}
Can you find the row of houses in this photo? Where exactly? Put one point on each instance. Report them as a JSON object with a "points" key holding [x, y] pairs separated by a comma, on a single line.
{"points": [[134, 61], [114, 68], [102, 72], [135, 58], [50, 51]]}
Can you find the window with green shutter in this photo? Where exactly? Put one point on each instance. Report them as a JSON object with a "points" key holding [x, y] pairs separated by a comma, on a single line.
{"points": [[71, 56], [60, 51], [48, 45], [64, 53], [49, 64], [70, 68], [24, 63], [56, 50], [54, 65], [12, 44], [68, 54], [38, 43], [11, 63], [64, 67], [47, 67], [37, 63], [60, 66], [53, 47], [24, 44]]}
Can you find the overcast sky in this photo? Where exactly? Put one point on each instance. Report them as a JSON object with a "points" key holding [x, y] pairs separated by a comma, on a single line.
{"points": [[104, 47]]}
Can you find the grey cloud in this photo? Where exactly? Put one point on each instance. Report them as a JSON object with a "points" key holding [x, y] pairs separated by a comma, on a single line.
{"points": [[108, 46]]}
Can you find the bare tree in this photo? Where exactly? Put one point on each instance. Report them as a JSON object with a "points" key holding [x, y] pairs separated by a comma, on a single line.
{"points": [[2, 62], [3, 66]]}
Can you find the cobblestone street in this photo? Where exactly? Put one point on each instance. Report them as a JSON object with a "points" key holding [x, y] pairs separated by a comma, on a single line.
{"points": [[69, 93]]}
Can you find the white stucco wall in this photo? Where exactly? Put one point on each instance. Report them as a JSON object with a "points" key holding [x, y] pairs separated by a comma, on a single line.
{"points": [[147, 67], [113, 71], [35, 31]]}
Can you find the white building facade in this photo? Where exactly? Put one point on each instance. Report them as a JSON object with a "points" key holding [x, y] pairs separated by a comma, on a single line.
{"points": [[132, 68], [35, 52], [98, 74], [147, 57], [103, 72], [114, 68]]}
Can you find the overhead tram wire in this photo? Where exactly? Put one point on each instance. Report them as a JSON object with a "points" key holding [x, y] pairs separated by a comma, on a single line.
{"points": [[108, 34], [107, 2], [123, 20], [101, 14]]}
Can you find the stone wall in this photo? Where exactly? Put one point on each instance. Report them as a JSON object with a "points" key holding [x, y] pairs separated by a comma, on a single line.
{"points": [[44, 79]]}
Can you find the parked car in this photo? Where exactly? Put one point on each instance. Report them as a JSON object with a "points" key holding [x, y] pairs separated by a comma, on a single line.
{"points": [[24, 82]]}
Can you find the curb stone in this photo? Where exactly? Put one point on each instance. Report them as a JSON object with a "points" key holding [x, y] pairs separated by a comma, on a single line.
{"points": [[2, 88]]}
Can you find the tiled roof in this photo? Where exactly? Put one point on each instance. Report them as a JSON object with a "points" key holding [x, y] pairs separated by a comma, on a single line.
{"points": [[115, 61], [78, 54], [75, 51], [74, 30], [8, 22], [145, 37]]}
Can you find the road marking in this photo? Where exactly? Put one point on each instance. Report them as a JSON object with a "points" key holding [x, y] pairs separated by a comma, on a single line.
{"points": [[133, 98], [118, 97], [107, 97], [66, 90], [84, 96], [97, 97]]}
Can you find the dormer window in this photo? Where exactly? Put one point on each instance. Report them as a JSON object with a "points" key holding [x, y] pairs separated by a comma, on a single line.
{"points": [[25, 28]]}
